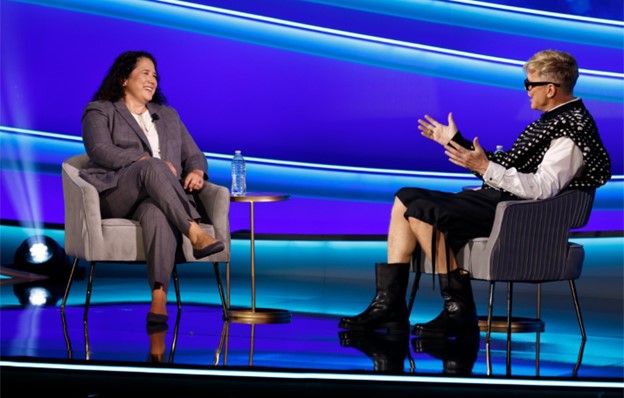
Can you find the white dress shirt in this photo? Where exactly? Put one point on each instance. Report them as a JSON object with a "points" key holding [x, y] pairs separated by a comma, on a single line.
{"points": [[149, 128], [562, 161]]}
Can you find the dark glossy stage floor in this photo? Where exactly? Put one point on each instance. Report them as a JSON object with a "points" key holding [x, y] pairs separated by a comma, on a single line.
{"points": [[316, 281]]}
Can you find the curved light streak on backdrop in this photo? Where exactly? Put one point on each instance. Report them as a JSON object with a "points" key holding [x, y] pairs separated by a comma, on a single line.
{"points": [[497, 18], [312, 181], [411, 57]]}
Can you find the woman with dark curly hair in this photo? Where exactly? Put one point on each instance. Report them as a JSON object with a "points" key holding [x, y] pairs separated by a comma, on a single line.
{"points": [[146, 167]]}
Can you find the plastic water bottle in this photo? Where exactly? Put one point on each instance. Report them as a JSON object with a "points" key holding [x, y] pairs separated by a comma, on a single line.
{"points": [[239, 170]]}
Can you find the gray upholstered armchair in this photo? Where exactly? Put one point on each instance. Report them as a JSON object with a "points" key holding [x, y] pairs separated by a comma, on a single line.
{"points": [[91, 238], [529, 244]]}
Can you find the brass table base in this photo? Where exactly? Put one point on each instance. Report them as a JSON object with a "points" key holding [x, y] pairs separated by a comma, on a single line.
{"points": [[518, 324], [255, 315], [258, 316]]}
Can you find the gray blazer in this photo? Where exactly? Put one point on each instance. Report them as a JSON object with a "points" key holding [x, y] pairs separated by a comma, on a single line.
{"points": [[113, 139]]}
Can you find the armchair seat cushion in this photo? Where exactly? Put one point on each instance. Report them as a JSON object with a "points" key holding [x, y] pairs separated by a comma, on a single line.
{"points": [[124, 242], [122, 239]]}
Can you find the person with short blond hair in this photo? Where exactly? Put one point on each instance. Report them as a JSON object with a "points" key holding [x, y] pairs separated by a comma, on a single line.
{"points": [[561, 150]]}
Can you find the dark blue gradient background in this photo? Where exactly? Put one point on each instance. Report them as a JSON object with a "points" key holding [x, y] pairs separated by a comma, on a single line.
{"points": [[283, 104]]}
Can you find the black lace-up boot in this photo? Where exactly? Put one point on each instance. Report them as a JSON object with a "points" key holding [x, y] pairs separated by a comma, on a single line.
{"points": [[459, 315], [388, 310]]}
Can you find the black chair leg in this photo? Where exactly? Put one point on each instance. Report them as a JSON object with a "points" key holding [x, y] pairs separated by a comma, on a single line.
{"points": [[490, 310], [220, 288], [85, 326], [174, 341], [578, 309], [579, 358], [68, 345], [176, 283], [538, 310], [509, 305], [89, 287], [489, 329], [509, 318], [69, 283]]}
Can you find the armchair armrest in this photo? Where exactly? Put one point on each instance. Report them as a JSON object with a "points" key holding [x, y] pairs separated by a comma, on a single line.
{"points": [[83, 230], [214, 203]]}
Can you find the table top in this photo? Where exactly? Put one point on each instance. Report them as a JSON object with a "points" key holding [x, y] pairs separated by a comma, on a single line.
{"points": [[260, 197]]}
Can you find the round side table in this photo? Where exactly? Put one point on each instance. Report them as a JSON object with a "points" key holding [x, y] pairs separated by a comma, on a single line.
{"points": [[256, 315]]}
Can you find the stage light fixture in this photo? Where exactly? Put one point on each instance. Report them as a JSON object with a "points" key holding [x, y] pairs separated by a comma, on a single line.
{"points": [[41, 255]]}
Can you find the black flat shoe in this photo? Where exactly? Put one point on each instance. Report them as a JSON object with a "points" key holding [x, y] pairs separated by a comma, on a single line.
{"points": [[153, 328], [157, 318], [156, 358], [214, 248]]}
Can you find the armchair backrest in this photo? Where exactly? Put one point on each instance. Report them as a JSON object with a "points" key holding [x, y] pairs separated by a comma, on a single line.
{"points": [[529, 240]]}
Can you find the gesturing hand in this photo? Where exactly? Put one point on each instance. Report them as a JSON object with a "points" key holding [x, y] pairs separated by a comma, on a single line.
{"points": [[437, 132], [475, 160]]}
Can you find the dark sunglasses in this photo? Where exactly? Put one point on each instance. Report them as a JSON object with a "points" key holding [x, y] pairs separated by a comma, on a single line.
{"points": [[528, 85]]}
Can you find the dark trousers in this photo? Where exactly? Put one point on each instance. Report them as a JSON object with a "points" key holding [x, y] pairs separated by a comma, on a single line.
{"points": [[151, 194], [461, 215]]}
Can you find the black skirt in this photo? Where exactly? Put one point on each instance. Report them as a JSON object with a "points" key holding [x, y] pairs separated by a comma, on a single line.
{"points": [[460, 215]]}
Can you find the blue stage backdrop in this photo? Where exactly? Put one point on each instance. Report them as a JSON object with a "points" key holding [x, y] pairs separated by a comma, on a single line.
{"points": [[321, 96]]}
